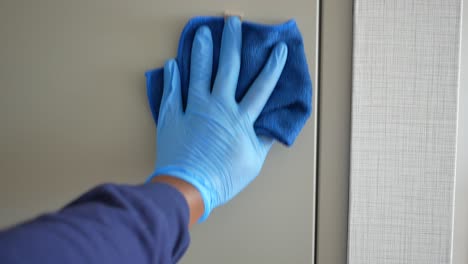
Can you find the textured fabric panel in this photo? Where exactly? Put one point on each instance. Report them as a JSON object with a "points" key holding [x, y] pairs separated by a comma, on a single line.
{"points": [[404, 118]]}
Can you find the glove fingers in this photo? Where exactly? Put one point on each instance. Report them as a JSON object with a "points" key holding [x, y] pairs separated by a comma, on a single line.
{"points": [[229, 60], [200, 66], [171, 102], [255, 99]]}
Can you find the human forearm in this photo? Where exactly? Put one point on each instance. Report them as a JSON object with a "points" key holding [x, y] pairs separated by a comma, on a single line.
{"points": [[109, 224]]}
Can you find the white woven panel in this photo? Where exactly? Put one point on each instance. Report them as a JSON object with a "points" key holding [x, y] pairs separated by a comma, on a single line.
{"points": [[404, 118]]}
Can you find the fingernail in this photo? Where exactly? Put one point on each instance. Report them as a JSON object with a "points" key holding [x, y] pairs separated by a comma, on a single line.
{"points": [[167, 69], [170, 65], [234, 21], [204, 31], [203, 39], [282, 49]]}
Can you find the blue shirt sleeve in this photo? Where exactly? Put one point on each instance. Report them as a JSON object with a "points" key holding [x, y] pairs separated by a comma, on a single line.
{"points": [[109, 224]]}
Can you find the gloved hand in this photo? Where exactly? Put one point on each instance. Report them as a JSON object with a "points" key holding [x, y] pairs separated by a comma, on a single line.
{"points": [[212, 144]]}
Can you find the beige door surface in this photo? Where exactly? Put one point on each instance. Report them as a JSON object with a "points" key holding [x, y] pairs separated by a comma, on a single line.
{"points": [[74, 114]]}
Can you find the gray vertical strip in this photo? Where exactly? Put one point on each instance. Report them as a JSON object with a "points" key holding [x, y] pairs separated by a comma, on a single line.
{"points": [[404, 123]]}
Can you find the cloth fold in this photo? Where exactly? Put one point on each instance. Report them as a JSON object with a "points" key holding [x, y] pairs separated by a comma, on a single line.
{"points": [[290, 104]]}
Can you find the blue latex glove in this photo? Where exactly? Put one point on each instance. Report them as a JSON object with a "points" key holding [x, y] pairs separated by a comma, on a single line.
{"points": [[213, 145]]}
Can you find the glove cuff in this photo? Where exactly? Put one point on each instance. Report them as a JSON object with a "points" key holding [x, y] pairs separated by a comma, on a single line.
{"points": [[183, 174]]}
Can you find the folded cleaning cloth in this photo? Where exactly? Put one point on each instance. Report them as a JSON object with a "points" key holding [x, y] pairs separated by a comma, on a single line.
{"points": [[288, 107]]}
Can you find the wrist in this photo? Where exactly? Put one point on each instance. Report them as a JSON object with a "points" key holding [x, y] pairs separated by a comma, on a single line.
{"points": [[191, 194], [192, 176]]}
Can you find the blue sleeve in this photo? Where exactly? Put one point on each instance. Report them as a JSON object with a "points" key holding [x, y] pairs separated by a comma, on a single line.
{"points": [[110, 224]]}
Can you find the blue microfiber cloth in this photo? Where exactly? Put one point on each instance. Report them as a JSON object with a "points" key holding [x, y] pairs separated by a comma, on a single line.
{"points": [[288, 107]]}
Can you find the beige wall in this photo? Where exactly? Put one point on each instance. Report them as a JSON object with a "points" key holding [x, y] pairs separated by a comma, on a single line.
{"points": [[73, 114]]}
